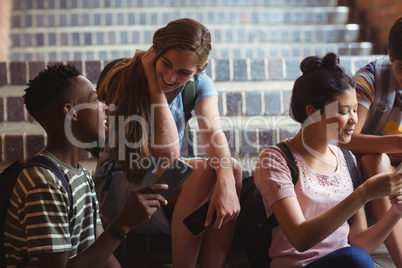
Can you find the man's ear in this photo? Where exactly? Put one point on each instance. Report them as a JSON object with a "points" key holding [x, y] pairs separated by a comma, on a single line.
{"points": [[391, 59], [205, 66], [69, 111]]}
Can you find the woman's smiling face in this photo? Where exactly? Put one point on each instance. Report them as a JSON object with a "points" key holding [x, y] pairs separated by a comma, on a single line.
{"points": [[342, 119], [175, 68]]}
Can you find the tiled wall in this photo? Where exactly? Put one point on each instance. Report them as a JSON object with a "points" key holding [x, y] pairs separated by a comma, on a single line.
{"points": [[57, 30]]}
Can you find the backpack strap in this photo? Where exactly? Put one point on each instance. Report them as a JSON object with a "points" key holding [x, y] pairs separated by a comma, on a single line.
{"points": [[188, 96], [385, 93], [46, 162], [291, 161], [272, 222], [354, 173]]}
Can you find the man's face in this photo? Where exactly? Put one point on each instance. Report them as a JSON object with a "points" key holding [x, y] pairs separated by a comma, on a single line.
{"points": [[89, 122]]}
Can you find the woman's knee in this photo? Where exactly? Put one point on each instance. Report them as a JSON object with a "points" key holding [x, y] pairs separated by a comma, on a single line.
{"points": [[203, 170]]}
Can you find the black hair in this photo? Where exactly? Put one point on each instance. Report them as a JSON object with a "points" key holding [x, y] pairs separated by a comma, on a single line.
{"points": [[46, 85], [322, 79], [395, 39]]}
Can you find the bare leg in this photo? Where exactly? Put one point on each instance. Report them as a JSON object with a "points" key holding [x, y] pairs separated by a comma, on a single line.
{"points": [[216, 244], [194, 192], [371, 165]]}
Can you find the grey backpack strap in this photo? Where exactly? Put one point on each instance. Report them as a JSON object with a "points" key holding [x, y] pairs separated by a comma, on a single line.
{"points": [[385, 91]]}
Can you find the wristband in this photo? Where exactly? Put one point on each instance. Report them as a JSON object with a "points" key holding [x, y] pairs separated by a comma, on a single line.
{"points": [[113, 230]]}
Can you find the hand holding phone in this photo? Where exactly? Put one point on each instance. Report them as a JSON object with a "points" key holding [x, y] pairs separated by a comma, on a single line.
{"points": [[195, 222], [174, 176]]}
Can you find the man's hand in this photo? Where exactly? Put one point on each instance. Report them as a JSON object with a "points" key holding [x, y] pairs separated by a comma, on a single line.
{"points": [[140, 205]]}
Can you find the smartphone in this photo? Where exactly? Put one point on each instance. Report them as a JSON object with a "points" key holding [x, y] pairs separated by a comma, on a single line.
{"points": [[173, 176], [195, 221], [399, 168]]}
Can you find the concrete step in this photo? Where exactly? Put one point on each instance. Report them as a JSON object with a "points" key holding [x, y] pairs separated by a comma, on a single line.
{"points": [[221, 51], [104, 29], [235, 34], [63, 4], [267, 15]]}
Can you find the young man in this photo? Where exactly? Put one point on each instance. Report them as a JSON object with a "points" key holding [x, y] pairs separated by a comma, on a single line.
{"points": [[377, 138], [40, 230]]}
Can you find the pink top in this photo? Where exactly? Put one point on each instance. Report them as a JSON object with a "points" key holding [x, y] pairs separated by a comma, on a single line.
{"points": [[316, 193]]}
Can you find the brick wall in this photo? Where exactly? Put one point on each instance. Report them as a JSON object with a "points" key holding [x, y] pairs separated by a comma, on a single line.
{"points": [[5, 14], [376, 18]]}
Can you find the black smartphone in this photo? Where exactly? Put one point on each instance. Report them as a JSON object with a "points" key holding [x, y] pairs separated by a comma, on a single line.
{"points": [[195, 221], [173, 176]]}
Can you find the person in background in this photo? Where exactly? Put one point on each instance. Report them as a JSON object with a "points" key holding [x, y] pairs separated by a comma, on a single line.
{"points": [[377, 139]]}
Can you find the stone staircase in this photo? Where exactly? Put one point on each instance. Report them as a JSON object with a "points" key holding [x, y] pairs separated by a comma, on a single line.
{"points": [[254, 113], [257, 49], [57, 30]]}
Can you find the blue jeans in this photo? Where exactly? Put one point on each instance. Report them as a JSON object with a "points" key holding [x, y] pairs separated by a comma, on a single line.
{"points": [[348, 257]]}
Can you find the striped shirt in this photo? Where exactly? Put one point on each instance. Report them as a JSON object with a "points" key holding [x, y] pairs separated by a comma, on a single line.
{"points": [[365, 86], [365, 91], [38, 219]]}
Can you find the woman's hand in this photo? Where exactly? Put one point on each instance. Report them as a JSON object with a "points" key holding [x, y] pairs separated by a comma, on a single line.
{"points": [[381, 185], [224, 201], [148, 61], [396, 201]]}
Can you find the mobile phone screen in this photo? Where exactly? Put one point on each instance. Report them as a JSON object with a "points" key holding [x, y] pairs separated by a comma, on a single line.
{"points": [[195, 222], [174, 176]]}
